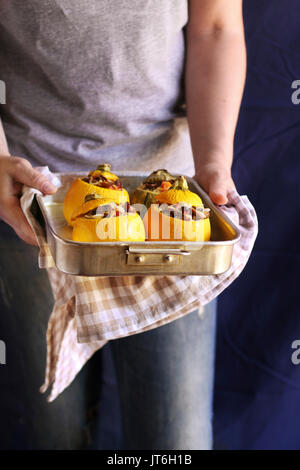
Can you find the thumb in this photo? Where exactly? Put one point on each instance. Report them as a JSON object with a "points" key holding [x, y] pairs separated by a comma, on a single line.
{"points": [[218, 188], [24, 173], [14, 216]]}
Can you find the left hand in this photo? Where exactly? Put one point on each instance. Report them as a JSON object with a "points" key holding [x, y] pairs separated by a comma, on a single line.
{"points": [[216, 181]]}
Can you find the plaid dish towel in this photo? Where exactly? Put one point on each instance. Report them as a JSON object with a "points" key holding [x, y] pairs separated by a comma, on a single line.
{"points": [[89, 311]]}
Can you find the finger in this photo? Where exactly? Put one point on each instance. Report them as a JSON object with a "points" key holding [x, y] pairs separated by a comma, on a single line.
{"points": [[15, 217], [21, 170], [218, 189]]}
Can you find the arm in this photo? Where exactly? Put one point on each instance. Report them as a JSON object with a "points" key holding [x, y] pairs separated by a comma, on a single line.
{"points": [[215, 76], [14, 172]]}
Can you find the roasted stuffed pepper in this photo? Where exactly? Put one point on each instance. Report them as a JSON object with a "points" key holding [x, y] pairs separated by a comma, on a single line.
{"points": [[103, 220], [179, 214], [100, 181], [154, 184]]}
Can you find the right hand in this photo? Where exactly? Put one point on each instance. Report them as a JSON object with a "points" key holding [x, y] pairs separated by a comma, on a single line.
{"points": [[14, 173]]}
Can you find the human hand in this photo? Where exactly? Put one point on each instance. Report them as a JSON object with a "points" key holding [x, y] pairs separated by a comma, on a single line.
{"points": [[14, 173], [216, 181]]}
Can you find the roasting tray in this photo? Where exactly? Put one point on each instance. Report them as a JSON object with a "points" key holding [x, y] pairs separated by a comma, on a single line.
{"points": [[136, 258]]}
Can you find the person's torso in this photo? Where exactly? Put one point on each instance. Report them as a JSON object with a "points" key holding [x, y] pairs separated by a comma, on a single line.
{"points": [[94, 80]]}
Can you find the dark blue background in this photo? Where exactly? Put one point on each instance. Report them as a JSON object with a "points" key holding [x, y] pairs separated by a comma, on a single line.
{"points": [[257, 391]]}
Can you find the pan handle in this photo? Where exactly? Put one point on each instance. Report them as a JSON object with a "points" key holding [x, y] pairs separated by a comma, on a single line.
{"points": [[175, 251], [155, 256]]}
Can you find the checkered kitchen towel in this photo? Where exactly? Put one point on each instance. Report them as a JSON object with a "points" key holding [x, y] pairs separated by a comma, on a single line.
{"points": [[89, 311]]}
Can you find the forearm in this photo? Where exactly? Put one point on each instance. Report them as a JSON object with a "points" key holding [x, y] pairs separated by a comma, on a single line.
{"points": [[3, 142], [215, 76]]}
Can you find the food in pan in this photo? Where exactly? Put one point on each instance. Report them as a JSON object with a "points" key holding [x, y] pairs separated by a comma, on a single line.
{"points": [[100, 181], [177, 222], [179, 192], [104, 220], [179, 214], [154, 184]]}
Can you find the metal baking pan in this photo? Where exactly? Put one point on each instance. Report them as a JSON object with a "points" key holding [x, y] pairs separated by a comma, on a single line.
{"points": [[138, 258]]}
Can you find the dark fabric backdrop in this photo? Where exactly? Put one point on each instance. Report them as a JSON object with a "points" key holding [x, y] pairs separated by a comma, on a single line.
{"points": [[257, 391]]}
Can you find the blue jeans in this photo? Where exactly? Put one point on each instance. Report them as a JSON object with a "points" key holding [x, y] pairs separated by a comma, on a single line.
{"points": [[152, 390], [165, 379]]}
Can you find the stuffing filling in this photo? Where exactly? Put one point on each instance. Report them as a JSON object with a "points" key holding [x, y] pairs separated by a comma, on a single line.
{"points": [[97, 179], [185, 211], [110, 210], [157, 185]]}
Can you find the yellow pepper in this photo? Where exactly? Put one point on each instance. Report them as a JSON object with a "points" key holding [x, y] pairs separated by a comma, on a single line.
{"points": [[79, 189], [162, 227], [96, 228], [179, 192]]}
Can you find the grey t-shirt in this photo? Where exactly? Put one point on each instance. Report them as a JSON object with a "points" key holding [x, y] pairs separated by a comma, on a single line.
{"points": [[95, 80]]}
